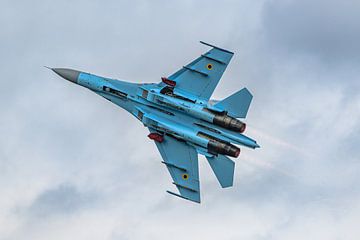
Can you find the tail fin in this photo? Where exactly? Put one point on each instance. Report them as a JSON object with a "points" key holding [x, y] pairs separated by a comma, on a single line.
{"points": [[237, 104], [223, 168]]}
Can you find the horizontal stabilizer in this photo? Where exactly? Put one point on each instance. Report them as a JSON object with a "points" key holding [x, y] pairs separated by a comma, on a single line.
{"points": [[237, 104], [223, 168]]}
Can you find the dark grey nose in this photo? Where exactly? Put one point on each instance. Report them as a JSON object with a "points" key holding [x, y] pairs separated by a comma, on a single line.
{"points": [[68, 74]]}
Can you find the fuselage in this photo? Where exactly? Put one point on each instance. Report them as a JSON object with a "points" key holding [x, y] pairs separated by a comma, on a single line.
{"points": [[163, 110]]}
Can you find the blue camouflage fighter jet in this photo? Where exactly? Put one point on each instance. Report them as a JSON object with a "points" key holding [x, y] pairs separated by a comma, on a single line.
{"points": [[182, 120]]}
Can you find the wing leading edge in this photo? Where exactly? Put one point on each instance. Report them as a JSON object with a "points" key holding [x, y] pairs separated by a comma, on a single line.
{"points": [[181, 161], [200, 77]]}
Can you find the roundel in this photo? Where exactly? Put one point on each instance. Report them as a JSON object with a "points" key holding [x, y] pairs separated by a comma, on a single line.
{"points": [[209, 66], [185, 176]]}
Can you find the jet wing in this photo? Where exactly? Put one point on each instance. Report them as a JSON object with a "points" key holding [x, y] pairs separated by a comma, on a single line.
{"points": [[182, 162], [200, 77]]}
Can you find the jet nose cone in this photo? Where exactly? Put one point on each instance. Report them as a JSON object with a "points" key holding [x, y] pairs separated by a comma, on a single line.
{"points": [[68, 74]]}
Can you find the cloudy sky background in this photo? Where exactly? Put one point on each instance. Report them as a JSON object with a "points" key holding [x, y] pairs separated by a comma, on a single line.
{"points": [[74, 166]]}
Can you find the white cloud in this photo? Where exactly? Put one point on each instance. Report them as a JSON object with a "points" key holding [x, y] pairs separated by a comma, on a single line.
{"points": [[301, 183]]}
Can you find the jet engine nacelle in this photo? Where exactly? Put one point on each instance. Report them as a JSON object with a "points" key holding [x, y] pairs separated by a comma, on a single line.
{"points": [[223, 148], [217, 146], [230, 123]]}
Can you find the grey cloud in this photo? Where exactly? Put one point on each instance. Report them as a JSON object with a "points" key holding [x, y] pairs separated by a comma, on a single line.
{"points": [[63, 199], [327, 30]]}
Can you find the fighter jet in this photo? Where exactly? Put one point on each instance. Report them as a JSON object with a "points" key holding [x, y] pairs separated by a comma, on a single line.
{"points": [[182, 120]]}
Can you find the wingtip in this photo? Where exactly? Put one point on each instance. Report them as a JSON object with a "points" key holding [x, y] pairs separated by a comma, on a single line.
{"points": [[211, 45], [180, 196]]}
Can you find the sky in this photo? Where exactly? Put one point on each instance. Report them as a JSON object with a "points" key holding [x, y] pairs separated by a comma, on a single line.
{"points": [[72, 165]]}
